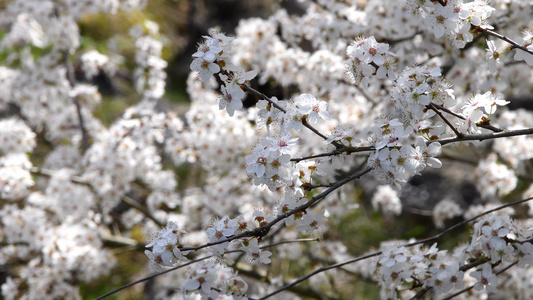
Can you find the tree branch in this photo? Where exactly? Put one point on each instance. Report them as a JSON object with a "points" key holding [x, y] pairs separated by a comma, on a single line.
{"points": [[263, 231], [471, 287], [304, 122], [463, 268], [504, 38], [432, 107], [486, 126], [72, 82], [193, 262], [344, 150], [132, 203], [484, 136], [151, 276], [466, 137]]}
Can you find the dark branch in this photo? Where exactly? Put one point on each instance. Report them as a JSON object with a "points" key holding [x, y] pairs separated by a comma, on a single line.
{"points": [[434, 108], [72, 82], [514, 44], [264, 230], [304, 122]]}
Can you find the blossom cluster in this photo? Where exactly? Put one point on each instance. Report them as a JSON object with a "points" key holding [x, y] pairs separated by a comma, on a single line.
{"points": [[368, 57], [166, 246], [17, 139], [497, 239], [527, 41], [211, 54], [479, 109], [344, 88], [212, 281], [496, 178], [149, 74], [454, 19], [269, 162]]}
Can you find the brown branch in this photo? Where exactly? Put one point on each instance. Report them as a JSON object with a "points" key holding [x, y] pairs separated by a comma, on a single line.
{"points": [[471, 287], [317, 271], [326, 154], [438, 236], [486, 126], [514, 45], [79, 180], [264, 230], [307, 293], [120, 241], [132, 203], [399, 40], [150, 277], [289, 242], [432, 107], [344, 150], [444, 141], [50, 173], [417, 211], [72, 82], [304, 122], [193, 262], [484, 136], [263, 96]]}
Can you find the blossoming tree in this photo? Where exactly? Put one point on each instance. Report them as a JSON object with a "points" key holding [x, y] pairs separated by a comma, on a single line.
{"points": [[285, 118]]}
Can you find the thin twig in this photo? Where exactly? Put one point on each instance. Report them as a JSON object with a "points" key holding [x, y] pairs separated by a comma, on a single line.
{"points": [[401, 39], [79, 180], [449, 111], [264, 230], [432, 107], [150, 277], [317, 271], [486, 126], [120, 241], [417, 211], [263, 96], [514, 45], [72, 82], [304, 122], [50, 173], [462, 159], [289, 242], [365, 95], [326, 154], [195, 261], [426, 289], [484, 136], [471, 287], [307, 293], [444, 141], [344, 150], [438, 236], [132, 203]]}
